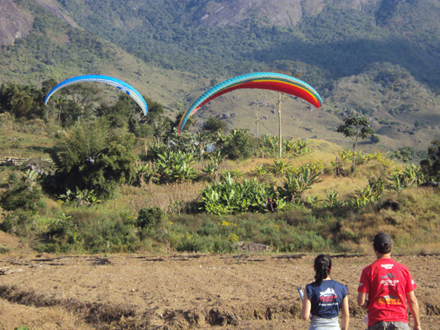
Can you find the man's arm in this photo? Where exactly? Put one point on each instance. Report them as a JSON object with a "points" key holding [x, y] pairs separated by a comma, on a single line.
{"points": [[307, 305], [362, 300], [414, 308], [345, 313]]}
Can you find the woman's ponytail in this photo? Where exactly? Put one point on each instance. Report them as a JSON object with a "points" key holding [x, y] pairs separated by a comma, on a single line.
{"points": [[323, 266]]}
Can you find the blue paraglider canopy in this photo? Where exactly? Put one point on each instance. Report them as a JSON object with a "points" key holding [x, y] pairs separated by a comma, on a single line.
{"points": [[129, 90]]}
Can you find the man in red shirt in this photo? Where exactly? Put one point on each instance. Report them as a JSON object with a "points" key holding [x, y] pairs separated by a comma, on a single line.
{"points": [[385, 288]]}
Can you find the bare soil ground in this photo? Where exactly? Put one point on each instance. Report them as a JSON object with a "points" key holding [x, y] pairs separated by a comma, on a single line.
{"points": [[179, 291]]}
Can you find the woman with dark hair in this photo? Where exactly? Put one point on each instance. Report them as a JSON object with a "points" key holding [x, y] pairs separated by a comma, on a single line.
{"points": [[325, 298]]}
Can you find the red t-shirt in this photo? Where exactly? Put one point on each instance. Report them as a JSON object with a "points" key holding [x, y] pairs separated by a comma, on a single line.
{"points": [[386, 282]]}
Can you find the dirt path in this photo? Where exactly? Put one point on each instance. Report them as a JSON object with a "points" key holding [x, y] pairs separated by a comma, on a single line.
{"points": [[182, 291]]}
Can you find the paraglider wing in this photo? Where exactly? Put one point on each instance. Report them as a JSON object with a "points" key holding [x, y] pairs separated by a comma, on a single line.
{"points": [[260, 80], [129, 90]]}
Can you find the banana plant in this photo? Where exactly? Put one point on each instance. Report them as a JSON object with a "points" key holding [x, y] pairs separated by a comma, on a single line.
{"points": [[259, 171], [296, 147], [280, 167], [410, 176], [296, 183], [312, 202], [175, 167], [217, 158], [229, 197], [232, 173], [333, 202], [211, 171], [81, 197], [362, 198], [270, 144], [146, 173], [377, 185]]}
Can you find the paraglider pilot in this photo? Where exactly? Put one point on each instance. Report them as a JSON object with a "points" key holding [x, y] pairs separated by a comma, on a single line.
{"points": [[272, 205], [90, 161]]}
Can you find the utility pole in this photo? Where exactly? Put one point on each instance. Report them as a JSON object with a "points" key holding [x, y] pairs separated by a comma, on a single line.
{"points": [[257, 117], [280, 99]]}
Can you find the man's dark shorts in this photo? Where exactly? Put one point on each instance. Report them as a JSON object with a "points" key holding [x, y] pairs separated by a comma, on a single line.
{"points": [[389, 326]]}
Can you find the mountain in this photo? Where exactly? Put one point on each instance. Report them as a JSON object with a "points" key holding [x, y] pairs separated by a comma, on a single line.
{"points": [[335, 38], [375, 57], [51, 45], [14, 23], [284, 13]]}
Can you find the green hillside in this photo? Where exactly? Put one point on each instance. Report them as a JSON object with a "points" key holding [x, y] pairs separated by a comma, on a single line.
{"points": [[380, 60], [55, 49], [162, 209], [337, 42]]}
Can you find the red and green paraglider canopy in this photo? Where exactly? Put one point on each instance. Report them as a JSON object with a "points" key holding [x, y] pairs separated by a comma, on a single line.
{"points": [[260, 80]]}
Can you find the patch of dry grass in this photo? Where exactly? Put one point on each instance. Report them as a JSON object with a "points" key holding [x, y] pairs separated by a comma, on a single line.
{"points": [[343, 185], [55, 312], [414, 226], [43, 318], [165, 197]]}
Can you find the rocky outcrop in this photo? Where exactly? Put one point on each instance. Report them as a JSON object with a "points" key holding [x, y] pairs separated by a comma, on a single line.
{"points": [[55, 9], [14, 22], [232, 12], [281, 12]]}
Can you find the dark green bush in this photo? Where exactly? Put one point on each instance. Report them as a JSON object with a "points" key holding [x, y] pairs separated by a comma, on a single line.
{"points": [[89, 231], [193, 243], [431, 165], [22, 192], [3, 249], [18, 222], [94, 157], [209, 228], [238, 145], [205, 244], [150, 218]]}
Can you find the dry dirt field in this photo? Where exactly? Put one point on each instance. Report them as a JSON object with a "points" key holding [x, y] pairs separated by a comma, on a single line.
{"points": [[179, 291]]}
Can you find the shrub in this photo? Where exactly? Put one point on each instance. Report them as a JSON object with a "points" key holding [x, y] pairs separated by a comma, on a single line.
{"points": [[18, 222], [213, 125], [192, 243], [23, 192], [89, 231], [431, 165], [238, 145], [150, 218], [196, 243], [94, 157]]}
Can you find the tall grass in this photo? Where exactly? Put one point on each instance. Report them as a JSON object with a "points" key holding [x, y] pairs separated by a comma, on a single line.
{"points": [[413, 223]]}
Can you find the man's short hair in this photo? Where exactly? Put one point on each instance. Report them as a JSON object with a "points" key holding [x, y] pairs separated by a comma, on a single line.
{"points": [[382, 243]]}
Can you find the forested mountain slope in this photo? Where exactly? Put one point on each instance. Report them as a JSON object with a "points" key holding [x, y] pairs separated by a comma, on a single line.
{"points": [[335, 38], [50, 45], [375, 57]]}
